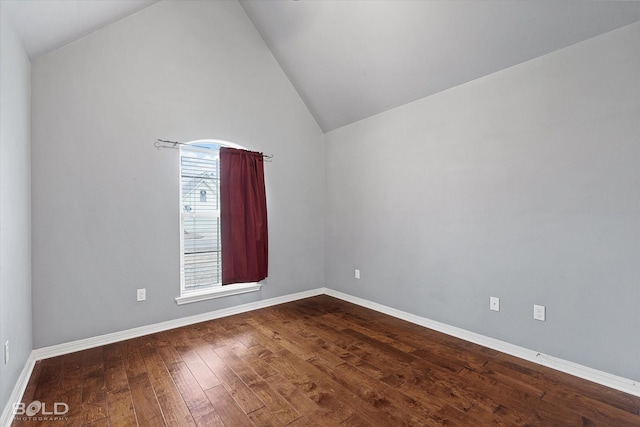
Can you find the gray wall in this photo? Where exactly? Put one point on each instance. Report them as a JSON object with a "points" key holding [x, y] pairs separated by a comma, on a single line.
{"points": [[15, 208], [522, 185], [105, 202]]}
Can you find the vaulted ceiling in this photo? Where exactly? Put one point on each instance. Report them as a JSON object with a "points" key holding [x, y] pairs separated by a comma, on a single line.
{"points": [[46, 25], [349, 60], [353, 59]]}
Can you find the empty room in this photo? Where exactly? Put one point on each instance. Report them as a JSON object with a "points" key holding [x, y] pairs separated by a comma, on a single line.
{"points": [[319, 213]]}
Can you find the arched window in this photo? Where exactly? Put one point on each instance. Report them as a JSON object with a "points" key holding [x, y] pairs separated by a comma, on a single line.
{"points": [[200, 218], [200, 224]]}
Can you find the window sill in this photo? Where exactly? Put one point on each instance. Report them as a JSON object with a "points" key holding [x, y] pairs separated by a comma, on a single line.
{"points": [[218, 292]]}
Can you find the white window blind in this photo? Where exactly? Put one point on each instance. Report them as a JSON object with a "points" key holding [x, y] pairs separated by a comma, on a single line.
{"points": [[200, 246]]}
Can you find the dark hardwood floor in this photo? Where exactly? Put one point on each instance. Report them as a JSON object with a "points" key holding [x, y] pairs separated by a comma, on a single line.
{"points": [[314, 362]]}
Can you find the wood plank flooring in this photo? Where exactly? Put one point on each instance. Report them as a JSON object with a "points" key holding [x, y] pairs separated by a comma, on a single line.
{"points": [[314, 362]]}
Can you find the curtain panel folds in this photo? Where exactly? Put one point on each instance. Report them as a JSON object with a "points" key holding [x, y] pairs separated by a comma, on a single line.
{"points": [[243, 212]]}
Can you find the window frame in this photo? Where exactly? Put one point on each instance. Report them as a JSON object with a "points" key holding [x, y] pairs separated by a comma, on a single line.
{"points": [[209, 292]]}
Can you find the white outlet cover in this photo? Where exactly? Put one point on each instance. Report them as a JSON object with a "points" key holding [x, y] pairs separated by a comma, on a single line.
{"points": [[539, 312], [142, 294], [494, 303], [357, 273]]}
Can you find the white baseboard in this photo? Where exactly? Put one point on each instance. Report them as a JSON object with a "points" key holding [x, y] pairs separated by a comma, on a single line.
{"points": [[84, 344], [6, 418], [70, 347], [599, 377]]}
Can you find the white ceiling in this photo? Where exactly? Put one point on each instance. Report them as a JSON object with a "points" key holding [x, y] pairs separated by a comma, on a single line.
{"points": [[353, 59], [45, 25]]}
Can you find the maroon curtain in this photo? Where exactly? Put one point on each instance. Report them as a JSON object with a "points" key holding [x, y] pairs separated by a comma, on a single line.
{"points": [[243, 212]]}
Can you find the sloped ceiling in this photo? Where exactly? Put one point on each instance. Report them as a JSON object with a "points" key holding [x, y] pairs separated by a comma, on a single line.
{"points": [[46, 25], [352, 59]]}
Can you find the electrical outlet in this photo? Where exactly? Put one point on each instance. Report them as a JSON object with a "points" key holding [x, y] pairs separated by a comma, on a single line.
{"points": [[6, 352], [494, 303], [142, 294], [539, 312], [357, 273]]}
